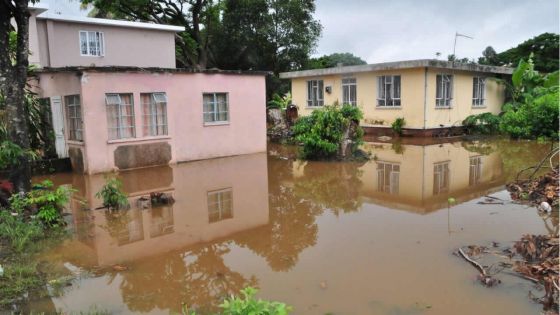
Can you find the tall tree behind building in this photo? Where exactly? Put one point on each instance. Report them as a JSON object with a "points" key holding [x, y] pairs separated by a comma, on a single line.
{"points": [[13, 78], [266, 35], [544, 48]]}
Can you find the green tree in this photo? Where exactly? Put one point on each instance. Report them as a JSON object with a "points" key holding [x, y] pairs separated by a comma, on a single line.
{"points": [[544, 48], [14, 53], [489, 56], [267, 35], [199, 17], [333, 60]]}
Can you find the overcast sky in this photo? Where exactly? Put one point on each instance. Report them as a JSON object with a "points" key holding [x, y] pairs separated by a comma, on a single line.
{"points": [[378, 31], [391, 30]]}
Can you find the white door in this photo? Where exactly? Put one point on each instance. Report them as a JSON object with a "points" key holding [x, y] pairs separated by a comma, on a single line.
{"points": [[58, 126]]}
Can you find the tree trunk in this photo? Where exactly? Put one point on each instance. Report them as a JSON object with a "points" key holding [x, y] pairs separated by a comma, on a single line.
{"points": [[201, 47], [13, 78]]}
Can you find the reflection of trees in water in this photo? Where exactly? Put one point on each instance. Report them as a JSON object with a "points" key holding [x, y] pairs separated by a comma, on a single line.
{"points": [[198, 277], [291, 229], [294, 205], [332, 186], [515, 155]]}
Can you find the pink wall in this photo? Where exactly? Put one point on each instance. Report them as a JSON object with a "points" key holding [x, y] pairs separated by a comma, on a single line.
{"points": [[188, 137], [59, 45]]}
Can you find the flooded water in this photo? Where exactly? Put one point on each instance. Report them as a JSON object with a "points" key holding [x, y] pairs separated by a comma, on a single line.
{"points": [[325, 237]]}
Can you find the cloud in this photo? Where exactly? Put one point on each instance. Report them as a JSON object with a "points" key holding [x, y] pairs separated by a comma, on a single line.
{"points": [[381, 31]]}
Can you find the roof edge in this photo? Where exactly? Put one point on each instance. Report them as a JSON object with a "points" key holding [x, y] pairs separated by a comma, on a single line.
{"points": [[109, 22], [116, 69], [406, 64]]}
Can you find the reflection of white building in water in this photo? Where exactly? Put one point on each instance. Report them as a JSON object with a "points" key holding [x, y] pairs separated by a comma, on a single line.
{"points": [[421, 178]]}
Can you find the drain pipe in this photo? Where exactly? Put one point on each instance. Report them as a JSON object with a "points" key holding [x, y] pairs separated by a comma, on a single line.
{"points": [[425, 96]]}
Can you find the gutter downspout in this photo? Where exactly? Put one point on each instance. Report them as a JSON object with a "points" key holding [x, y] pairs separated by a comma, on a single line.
{"points": [[425, 96]]}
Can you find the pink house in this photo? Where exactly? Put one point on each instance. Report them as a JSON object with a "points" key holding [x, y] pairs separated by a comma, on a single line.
{"points": [[118, 102]]}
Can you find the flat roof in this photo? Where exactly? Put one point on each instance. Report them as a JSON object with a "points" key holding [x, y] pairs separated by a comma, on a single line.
{"points": [[109, 22], [113, 69], [407, 64]]}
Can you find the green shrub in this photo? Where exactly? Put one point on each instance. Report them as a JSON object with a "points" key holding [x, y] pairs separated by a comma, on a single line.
{"points": [[248, 304], [18, 232], [280, 102], [485, 123], [321, 133], [537, 117], [11, 153], [112, 195], [533, 111], [48, 202], [398, 124]]}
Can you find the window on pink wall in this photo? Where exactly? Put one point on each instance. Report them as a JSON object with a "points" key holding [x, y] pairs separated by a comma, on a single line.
{"points": [[215, 108], [92, 44], [120, 116], [154, 114], [74, 117]]}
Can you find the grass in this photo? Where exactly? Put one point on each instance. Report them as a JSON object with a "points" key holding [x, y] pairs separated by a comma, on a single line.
{"points": [[20, 242], [20, 276]]}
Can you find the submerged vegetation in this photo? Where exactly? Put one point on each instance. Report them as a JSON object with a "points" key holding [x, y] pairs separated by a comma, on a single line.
{"points": [[532, 111], [323, 133], [112, 195], [28, 222], [398, 125], [248, 304]]}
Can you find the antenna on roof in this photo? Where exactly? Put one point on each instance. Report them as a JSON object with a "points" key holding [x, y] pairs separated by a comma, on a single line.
{"points": [[455, 42]]}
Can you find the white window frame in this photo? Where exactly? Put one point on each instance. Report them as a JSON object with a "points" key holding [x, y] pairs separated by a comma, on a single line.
{"points": [[316, 89], [347, 84], [475, 170], [393, 170], [443, 173], [215, 111], [479, 92], [114, 99], [388, 101], [220, 205], [445, 100], [74, 118], [101, 43], [156, 121]]}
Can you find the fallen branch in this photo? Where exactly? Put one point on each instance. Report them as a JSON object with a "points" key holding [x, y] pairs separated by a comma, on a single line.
{"points": [[473, 262]]}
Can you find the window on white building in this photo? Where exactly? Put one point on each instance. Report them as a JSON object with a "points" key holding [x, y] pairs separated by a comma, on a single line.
{"points": [[479, 87], [349, 91], [444, 90], [215, 108], [92, 43], [389, 91], [315, 93], [388, 177], [441, 177], [120, 116], [154, 114], [475, 170]]}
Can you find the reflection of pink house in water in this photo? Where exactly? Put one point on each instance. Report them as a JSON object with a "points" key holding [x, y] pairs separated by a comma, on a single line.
{"points": [[215, 199], [118, 102]]}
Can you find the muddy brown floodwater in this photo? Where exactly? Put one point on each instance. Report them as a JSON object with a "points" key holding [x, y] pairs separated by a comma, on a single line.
{"points": [[325, 237]]}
